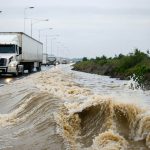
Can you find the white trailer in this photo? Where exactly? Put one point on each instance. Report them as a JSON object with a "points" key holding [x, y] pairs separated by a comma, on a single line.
{"points": [[19, 52]]}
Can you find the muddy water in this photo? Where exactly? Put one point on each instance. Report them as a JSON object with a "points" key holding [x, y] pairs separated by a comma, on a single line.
{"points": [[61, 109]]}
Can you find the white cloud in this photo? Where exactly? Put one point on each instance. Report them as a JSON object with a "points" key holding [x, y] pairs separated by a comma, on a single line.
{"points": [[87, 27]]}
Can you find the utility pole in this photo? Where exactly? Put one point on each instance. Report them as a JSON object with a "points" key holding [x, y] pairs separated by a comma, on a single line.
{"points": [[25, 9]]}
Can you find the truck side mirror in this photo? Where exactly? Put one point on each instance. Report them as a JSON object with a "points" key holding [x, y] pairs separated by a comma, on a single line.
{"points": [[20, 50]]}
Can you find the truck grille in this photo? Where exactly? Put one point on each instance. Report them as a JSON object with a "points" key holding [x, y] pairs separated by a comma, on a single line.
{"points": [[3, 61]]}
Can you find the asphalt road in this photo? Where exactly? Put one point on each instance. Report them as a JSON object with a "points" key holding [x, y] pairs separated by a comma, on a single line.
{"points": [[5, 79]]}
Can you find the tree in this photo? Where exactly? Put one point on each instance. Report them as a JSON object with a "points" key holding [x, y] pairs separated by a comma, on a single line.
{"points": [[84, 59]]}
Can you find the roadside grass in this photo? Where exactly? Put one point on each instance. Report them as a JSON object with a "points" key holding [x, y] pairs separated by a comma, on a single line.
{"points": [[136, 64]]}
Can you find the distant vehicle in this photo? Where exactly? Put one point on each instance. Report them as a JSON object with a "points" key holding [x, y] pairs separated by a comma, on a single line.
{"points": [[64, 61], [19, 52], [51, 60]]}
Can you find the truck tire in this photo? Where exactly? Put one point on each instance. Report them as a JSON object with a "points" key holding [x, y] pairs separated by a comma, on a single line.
{"points": [[21, 70], [38, 68], [30, 69], [16, 74]]}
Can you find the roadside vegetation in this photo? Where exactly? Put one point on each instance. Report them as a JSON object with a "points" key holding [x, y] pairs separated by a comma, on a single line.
{"points": [[135, 65]]}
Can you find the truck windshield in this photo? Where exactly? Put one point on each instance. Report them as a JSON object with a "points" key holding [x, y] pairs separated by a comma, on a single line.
{"points": [[7, 49]]}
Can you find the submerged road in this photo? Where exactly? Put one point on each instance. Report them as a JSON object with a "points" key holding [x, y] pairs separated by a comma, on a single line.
{"points": [[6, 79]]}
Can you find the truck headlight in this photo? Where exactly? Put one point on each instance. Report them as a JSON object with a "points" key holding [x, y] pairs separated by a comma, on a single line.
{"points": [[13, 64]]}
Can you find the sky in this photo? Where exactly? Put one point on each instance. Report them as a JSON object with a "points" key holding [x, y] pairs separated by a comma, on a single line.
{"points": [[81, 28]]}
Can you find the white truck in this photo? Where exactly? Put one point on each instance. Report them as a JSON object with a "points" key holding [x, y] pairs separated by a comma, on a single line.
{"points": [[52, 60], [19, 52]]}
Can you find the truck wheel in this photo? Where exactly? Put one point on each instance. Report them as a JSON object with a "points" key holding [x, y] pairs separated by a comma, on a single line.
{"points": [[20, 69], [38, 68], [22, 72], [16, 74], [30, 69]]}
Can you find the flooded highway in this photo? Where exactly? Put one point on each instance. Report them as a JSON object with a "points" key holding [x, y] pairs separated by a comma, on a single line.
{"points": [[61, 109], [8, 78]]}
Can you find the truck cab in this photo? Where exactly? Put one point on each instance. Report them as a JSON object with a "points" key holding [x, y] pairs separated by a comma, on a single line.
{"points": [[9, 59], [52, 60], [19, 52]]}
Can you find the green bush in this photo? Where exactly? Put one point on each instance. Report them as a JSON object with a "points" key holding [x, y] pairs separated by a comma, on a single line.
{"points": [[136, 63]]}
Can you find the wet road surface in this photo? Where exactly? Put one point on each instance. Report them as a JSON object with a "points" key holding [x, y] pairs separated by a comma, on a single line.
{"points": [[6, 79]]}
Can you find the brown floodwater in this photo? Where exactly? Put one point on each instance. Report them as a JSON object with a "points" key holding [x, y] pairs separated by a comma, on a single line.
{"points": [[60, 109]]}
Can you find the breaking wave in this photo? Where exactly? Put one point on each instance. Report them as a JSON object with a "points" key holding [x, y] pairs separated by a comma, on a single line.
{"points": [[106, 124], [30, 124]]}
